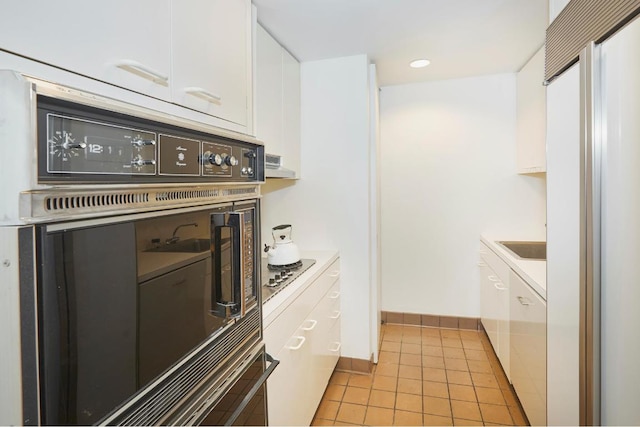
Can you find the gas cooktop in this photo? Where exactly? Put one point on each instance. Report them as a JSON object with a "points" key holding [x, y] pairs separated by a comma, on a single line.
{"points": [[276, 279]]}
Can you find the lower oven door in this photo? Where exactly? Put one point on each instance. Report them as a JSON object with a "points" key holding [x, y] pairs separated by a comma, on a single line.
{"points": [[237, 398]]}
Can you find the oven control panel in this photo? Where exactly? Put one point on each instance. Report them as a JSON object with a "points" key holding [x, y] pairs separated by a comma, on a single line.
{"points": [[109, 147]]}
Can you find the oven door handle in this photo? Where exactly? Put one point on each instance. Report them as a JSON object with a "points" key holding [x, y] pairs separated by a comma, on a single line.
{"points": [[236, 306], [263, 378]]}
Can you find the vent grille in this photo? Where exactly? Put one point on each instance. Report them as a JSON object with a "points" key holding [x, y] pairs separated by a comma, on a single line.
{"points": [[40, 206], [579, 23], [54, 203], [160, 402]]}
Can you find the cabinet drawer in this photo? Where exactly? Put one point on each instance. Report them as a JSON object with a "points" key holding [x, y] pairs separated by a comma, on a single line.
{"points": [[494, 262], [282, 328]]}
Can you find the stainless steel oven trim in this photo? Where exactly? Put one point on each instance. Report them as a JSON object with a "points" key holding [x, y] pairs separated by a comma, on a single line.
{"points": [[72, 225], [62, 205]]}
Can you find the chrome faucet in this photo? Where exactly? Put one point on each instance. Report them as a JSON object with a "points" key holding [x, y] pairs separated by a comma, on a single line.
{"points": [[175, 238]]}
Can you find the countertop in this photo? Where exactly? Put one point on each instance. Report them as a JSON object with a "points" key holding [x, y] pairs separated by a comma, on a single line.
{"points": [[272, 308], [534, 272]]}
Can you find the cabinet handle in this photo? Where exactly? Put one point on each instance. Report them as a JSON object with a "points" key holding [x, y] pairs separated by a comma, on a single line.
{"points": [[482, 264], [493, 278], [335, 273], [301, 341], [498, 287], [337, 349], [334, 295], [310, 328], [203, 93], [336, 314], [524, 301], [136, 67]]}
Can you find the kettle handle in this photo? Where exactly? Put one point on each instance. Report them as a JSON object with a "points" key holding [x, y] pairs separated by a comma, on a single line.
{"points": [[281, 227]]}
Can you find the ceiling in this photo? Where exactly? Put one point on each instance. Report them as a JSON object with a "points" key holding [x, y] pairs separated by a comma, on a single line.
{"points": [[462, 38]]}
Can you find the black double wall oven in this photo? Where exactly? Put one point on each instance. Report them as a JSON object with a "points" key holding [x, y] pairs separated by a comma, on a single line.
{"points": [[145, 307]]}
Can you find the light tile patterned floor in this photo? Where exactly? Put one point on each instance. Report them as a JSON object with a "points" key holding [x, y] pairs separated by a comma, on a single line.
{"points": [[424, 376]]}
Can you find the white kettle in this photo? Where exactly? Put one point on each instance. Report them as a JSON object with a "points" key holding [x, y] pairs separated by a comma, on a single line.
{"points": [[283, 251]]}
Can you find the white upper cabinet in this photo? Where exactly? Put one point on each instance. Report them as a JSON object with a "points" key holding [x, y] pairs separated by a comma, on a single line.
{"points": [[291, 112], [278, 101], [269, 91], [211, 57], [125, 43], [531, 120]]}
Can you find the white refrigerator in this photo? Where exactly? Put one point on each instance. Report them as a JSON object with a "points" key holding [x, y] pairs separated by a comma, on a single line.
{"points": [[593, 235]]}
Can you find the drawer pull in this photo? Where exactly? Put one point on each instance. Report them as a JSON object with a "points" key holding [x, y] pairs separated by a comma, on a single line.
{"points": [[203, 93], [335, 273], [525, 301], [142, 70], [482, 264], [493, 278], [336, 314], [298, 346], [499, 286], [334, 295], [310, 328], [337, 348]]}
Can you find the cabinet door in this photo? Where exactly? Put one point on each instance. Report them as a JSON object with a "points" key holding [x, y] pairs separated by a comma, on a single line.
{"points": [[211, 57], [269, 92], [488, 304], [531, 120], [290, 113], [528, 338], [120, 42]]}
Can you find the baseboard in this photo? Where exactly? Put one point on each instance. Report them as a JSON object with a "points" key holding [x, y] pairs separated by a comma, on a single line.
{"points": [[450, 322], [351, 364]]}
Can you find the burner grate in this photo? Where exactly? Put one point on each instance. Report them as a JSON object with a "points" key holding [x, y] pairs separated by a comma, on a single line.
{"points": [[276, 267]]}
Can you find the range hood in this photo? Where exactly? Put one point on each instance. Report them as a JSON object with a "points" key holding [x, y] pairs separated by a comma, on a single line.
{"points": [[273, 167]]}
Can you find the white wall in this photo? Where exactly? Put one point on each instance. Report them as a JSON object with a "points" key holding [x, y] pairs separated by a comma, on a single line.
{"points": [[329, 206], [448, 171]]}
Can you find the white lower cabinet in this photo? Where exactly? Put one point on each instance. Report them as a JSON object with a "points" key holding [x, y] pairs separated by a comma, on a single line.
{"points": [[528, 337], [305, 338], [494, 303]]}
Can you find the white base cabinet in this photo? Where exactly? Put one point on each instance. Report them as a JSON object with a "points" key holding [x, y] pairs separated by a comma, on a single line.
{"points": [[305, 338], [528, 332], [494, 303]]}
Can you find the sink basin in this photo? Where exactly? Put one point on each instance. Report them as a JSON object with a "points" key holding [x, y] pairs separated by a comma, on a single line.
{"points": [[188, 245], [526, 250]]}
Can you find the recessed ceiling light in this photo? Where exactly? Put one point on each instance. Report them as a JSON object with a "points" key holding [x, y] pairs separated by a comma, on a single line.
{"points": [[419, 63]]}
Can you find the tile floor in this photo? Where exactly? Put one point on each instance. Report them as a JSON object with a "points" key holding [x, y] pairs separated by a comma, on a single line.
{"points": [[424, 376]]}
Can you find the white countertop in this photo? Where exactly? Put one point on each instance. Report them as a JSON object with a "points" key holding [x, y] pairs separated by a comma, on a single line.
{"points": [[272, 308], [534, 272]]}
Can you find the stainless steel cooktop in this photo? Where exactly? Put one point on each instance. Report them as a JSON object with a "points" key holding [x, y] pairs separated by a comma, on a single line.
{"points": [[275, 279]]}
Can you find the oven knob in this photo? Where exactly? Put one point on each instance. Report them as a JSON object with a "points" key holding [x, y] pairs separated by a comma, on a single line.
{"points": [[139, 161], [139, 142], [249, 171], [244, 171], [215, 159], [231, 161], [272, 281]]}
